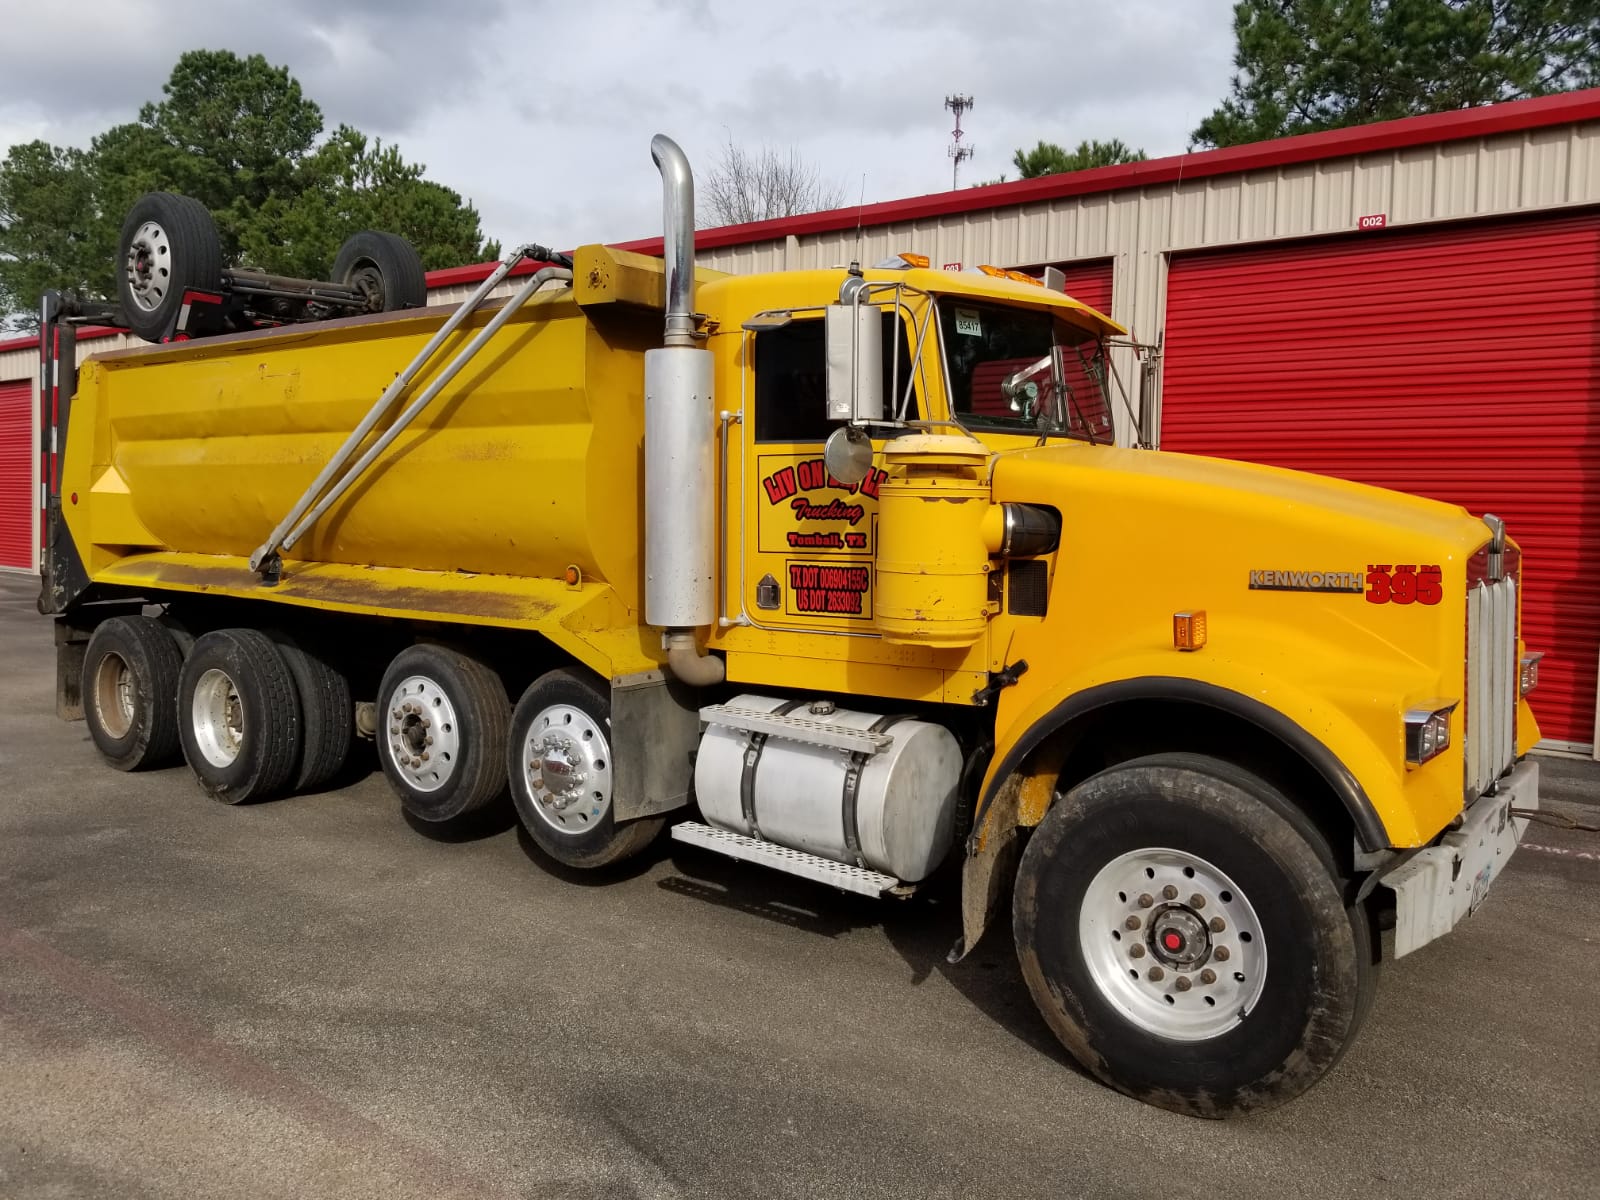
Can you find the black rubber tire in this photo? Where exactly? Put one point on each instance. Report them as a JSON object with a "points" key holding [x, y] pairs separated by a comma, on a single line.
{"points": [[1319, 956], [195, 251], [482, 717], [145, 656], [327, 713], [589, 845], [386, 266], [270, 736]]}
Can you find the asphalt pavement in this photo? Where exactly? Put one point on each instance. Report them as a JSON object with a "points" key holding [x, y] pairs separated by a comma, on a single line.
{"points": [[311, 998]]}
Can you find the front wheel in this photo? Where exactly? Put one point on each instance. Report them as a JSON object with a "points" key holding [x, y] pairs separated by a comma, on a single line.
{"points": [[1181, 929]]}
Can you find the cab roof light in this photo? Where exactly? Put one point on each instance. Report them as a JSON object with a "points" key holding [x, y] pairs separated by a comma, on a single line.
{"points": [[903, 261], [1022, 278]]}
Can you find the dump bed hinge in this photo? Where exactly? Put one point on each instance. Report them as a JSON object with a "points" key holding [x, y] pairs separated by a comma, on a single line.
{"points": [[796, 729], [781, 858]]}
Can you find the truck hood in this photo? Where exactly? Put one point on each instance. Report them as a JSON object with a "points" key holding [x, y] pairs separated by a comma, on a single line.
{"points": [[1194, 497]]}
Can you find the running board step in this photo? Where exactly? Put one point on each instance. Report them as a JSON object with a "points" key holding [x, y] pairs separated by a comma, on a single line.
{"points": [[782, 858], [796, 729]]}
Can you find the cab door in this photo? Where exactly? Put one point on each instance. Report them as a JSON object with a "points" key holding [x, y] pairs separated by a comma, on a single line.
{"points": [[807, 543]]}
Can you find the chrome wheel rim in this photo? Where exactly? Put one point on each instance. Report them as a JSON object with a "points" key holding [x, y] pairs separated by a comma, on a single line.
{"points": [[1172, 944], [566, 768], [113, 695], [148, 266], [424, 735], [217, 713]]}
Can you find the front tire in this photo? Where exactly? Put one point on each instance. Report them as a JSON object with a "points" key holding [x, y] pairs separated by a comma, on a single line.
{"points": [[129, 689], [561, 770], [239, 716], [1182, 931], [442, 732]]}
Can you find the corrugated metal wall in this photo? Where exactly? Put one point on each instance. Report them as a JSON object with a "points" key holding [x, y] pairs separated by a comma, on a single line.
{"points": [[18, 536]]}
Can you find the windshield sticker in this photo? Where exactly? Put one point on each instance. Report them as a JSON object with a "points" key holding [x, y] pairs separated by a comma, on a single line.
{"points": [[968, 322], [1308, 581]]}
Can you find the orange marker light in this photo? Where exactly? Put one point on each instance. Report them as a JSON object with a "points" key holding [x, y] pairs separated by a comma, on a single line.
{"points": [[573, 576], [1189, 629], [915, 260], [1022, 278]]}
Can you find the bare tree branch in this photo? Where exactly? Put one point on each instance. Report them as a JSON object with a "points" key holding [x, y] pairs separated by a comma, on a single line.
{"points": [[758, 185]]}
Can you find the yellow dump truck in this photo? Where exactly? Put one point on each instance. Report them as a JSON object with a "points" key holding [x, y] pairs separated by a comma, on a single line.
{"points": [[839, 573]]}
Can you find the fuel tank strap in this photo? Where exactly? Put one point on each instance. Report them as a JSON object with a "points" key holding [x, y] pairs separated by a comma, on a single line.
{"points": [[752, 759], [852, 788]]}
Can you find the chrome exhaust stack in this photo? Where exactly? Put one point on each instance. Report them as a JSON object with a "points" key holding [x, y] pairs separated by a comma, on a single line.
{"points": [[680, 446]]}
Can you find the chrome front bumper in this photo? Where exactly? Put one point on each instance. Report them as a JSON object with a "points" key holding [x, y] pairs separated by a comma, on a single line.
{"points": [[1440, 886]]}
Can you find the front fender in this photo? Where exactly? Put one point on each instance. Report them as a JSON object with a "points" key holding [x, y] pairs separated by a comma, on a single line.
{"points": [[1342, 708]]}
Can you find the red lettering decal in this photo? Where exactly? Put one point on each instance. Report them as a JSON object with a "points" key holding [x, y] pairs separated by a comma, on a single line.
{"points": [[780, 485], [1430, 588], [1403, 585], [1377, 584]]}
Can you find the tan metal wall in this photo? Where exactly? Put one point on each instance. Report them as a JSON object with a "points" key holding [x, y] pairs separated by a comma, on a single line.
{"points": [[1541, 170]]}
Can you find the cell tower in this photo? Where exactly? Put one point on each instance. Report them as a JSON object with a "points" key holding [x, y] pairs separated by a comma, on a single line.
{"points": [[959, 154]]}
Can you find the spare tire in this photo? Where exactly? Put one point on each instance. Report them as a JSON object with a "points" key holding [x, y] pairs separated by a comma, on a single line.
{"points": [[169, 244], [385, 268]]}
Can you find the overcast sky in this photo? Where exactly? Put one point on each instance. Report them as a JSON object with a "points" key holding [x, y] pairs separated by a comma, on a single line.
{"points": [[541, 113]]}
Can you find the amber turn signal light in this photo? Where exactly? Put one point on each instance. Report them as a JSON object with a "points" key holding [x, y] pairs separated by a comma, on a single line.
{"points": [[1189, 629]]}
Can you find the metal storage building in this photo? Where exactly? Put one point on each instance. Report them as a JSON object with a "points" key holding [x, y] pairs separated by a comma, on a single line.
{"points": [[1414, 304]]}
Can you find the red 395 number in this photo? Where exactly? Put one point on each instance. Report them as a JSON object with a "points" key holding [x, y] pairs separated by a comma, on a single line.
{"points": [[1404, 584]]}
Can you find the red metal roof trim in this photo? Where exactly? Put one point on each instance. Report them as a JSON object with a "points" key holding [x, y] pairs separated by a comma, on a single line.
{"points": [[31, 341]]}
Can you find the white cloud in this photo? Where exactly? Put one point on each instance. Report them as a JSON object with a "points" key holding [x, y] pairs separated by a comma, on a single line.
{"points": [[542, 113]]}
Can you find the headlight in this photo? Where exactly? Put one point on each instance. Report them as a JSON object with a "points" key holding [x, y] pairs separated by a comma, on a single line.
{"points": [[1428, 730], [1529, 677]]}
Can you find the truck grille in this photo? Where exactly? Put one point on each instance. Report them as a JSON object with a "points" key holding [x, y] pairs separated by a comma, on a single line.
{"points": [[1492, 681]]}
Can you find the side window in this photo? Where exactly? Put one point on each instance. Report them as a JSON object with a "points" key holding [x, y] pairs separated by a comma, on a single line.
{"points": [[792, 385]]}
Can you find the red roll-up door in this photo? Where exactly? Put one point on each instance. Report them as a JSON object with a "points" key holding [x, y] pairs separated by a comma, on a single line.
{"points": [[16, 474], [1087, 282], [1461, 363]]}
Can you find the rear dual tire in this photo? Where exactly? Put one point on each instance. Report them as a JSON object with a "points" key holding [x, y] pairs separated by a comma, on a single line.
{"points": [[129, 681], [239, 716]]}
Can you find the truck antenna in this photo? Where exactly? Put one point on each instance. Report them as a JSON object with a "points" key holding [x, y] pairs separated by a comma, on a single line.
{"points": [[861, 206]]}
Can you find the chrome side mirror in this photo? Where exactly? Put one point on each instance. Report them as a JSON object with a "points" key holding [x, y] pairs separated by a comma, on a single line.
{"points": [[848, 455], [854, 335]]}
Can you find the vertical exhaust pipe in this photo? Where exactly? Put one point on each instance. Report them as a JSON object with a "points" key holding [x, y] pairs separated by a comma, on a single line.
{"points": [[680, 446]]}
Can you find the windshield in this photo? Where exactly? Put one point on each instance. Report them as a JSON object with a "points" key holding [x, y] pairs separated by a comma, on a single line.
{"points": [[1019, 370]]}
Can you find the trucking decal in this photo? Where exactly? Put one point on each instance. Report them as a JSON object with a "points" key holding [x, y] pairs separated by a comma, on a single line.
{"points": [[824, 530], [829, 589]]}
